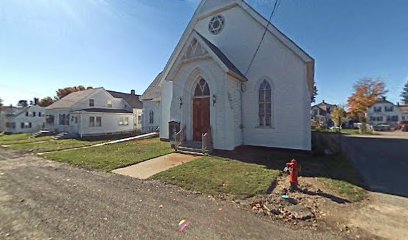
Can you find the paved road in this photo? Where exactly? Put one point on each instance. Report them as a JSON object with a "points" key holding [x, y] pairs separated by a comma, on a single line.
{"points": [[382, 161], [40, 199]]}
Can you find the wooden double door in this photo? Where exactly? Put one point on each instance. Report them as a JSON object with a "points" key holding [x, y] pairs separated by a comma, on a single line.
{"points": [[201, 117]]}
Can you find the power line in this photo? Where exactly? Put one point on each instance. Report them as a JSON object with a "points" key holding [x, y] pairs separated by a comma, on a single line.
{"points": [[275, 7]]}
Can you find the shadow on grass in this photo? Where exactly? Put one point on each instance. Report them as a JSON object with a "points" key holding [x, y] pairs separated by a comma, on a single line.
{"points": [[331, 166], [326, 195]]}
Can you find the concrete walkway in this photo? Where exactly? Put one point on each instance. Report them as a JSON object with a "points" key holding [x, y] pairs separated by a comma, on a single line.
{"points": [[151, 167]]}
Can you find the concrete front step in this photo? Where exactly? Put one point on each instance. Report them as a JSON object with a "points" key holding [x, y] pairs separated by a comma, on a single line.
{"points": [[190, 152]]}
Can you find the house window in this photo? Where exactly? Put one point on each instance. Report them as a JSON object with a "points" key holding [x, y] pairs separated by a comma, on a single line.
{"points": [[379, 119], [389, 109], [124, 121], [92, 121], [109, 103], [377, 109], [39, 114], [11, 125], [74, 119], [151, 117], [98, 122], [26, 125], [92, 102], [394, 118], [265, 104], [26, 114], [64, 119], [49, 119], [34, 113]]}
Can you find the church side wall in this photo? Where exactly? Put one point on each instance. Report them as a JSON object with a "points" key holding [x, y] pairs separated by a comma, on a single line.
{"points": [[285, 71], [149, 106]]}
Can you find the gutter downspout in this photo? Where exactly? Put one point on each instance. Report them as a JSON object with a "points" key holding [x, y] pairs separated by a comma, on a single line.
{"points": [[242, 116]]}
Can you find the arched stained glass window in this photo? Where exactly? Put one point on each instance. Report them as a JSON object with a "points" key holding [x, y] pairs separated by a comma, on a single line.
{"points": [[265, 104], [151, 117], [202, 89]]}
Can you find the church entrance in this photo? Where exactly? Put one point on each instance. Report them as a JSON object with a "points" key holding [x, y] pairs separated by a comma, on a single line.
{"points": [[201, 110]]}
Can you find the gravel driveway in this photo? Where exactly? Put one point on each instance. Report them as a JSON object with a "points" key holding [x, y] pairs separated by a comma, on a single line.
{"points": [[40, 199]]}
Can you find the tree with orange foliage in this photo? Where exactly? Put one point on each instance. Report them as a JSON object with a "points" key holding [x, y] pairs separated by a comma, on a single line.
{"points": [[367, 91]]}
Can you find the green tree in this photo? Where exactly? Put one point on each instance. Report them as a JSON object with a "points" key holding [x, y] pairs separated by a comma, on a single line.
{"points": [[339, 116], [1, 105], [404, 94], [314, 94]]}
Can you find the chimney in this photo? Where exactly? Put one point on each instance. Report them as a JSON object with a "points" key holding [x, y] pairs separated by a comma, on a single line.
{"points": [[384, 98], [36, 100], [324, 101], [132, 92]]}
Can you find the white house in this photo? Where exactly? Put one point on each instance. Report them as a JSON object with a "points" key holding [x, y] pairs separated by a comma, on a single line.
{"points": [[383, 112], [27, 119], [386, 112], [151, 106], [220, 79], [95, 112], [404, 112]]}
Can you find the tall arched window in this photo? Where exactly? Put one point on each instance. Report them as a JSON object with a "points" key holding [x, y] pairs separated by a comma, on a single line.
{"points": [[265, 104], [151, 117]]}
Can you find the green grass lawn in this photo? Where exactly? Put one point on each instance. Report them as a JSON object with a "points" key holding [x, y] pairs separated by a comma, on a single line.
{"points": [[345, 189], [252, 171], [20, 138], [113, 156], [347, 132], [215, 175], [51, 145]]}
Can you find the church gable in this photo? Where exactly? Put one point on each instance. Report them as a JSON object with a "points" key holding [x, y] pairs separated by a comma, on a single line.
{"points": [[194, 50], [201, 22], [211, 5], [199, 48]]}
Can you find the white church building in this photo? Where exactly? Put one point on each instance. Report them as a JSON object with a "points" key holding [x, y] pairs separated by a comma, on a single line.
{"points": [[213, 83]]}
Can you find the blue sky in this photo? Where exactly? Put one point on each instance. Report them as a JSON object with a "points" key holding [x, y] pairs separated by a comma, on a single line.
{"points": [[122, 45]]}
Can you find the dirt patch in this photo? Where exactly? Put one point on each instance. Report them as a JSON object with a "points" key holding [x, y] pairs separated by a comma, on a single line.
{"points": [[313, 207]]}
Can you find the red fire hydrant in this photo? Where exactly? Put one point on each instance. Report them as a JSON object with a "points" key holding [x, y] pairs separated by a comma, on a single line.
{"points": [[294, 169]]}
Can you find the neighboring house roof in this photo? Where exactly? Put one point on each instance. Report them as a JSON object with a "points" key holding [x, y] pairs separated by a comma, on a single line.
{"points": [[104, 110], [325, 108], [73, 98], [384, 100], [153, 91], [132, 99], [404, 108], [222, 57]]}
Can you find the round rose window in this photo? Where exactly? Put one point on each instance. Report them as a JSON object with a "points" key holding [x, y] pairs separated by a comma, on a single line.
{"points": [[216, 24]]}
